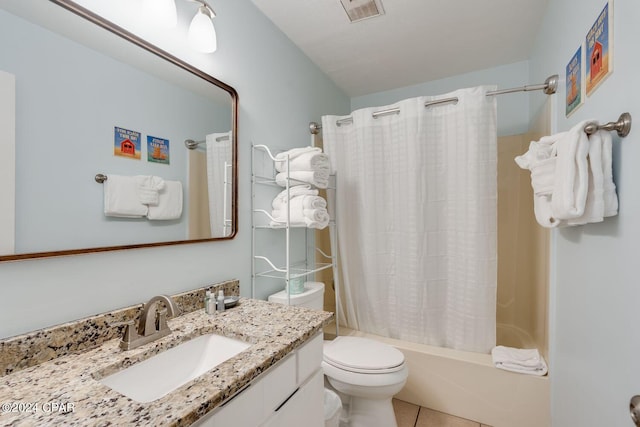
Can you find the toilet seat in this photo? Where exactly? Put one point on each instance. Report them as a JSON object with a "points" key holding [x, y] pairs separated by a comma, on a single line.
{"points": [[362, 355]]}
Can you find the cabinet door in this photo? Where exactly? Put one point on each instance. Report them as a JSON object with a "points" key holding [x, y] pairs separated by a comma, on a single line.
{"points": [[304, 408]]}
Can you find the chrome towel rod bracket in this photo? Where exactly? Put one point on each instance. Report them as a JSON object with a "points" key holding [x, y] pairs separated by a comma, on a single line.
{"points": [[622, 126]]}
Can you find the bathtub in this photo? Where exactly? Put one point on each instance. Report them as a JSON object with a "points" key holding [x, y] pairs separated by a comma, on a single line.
{"points": [[467, 385]]}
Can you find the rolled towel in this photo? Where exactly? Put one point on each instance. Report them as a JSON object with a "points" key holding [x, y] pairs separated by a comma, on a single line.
{"points": [[301, 202], [309, 160], [318, 179], [169, 204], [524, 361], [296, 190], [122, 198], [148, 187], [293, 154], [310, 218]]}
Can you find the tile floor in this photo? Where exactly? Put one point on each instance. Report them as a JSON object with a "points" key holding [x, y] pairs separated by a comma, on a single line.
{"points": [[410, 415]]}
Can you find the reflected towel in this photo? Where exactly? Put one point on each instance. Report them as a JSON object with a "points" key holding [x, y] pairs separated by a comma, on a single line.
{"points": [[523, 361], [318, 179], [121, 197], [303, 159], [169, 202], [148, 187]]}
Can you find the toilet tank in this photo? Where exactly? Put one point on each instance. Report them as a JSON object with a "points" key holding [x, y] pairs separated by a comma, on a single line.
{"points": [[312, 297]]}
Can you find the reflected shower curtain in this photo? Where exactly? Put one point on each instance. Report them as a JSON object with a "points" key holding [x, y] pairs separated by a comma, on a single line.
{"points": [[219, 162], [416, 220]]}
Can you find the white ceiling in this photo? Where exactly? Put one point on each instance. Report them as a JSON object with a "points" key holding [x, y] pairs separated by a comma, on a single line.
{"points": [[415, 41]]}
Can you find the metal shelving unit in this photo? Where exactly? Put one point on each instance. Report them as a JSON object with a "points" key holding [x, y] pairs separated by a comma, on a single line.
{"points": [[262, 265]]}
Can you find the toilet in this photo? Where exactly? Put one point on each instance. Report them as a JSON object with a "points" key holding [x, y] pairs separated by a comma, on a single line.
{"points": [[366, 374]]}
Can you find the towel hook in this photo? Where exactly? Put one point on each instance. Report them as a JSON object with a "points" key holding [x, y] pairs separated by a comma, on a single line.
{"points": [[101, 178], [622, 126]]}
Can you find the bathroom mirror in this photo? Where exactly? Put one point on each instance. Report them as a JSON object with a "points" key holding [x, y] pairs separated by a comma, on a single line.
{"points": [[80, 97]]}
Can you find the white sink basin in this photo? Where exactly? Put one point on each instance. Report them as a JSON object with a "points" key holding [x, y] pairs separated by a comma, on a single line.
{"points": [[161, 374]]}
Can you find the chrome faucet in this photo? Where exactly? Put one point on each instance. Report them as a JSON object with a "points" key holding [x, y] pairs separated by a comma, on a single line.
{"points": [[152, 325]]}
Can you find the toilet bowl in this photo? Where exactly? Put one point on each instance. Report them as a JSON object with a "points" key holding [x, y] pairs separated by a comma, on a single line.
{"points": [[366, 374]]}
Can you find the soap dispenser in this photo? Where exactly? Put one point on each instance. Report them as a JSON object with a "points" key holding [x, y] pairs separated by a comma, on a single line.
{"points": [[209, 302], [220, 302]]}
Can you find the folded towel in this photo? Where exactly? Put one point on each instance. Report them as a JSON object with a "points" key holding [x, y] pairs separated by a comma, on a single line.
{"points": [[524, 361], [318, 178], [540, 159], [301, 202], [296, 190], [309, 158], [571, 179], [310, 218], [148, 187], [121, 197], [594, 205], [609, 188], [169, 202]]}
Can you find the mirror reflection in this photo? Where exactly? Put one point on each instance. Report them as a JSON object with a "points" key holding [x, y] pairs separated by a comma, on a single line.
{"points": [[102, 105]]}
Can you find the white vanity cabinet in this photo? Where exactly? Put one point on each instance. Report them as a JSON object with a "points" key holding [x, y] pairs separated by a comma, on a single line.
{"points": [[289, 394]]}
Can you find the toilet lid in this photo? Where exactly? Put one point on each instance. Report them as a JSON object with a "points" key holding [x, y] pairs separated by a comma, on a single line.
{"points": [[358, 354]]}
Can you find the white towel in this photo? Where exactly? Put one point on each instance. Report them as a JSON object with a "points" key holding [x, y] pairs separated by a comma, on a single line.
{"points": [[318, 178], [169, 203], [540, 159], [300, 202], [310, 218], [609, 188], [571, 179], [296, 190], [524, 361], [594, 205], [148, 187], [309, 158], [121, 197]]}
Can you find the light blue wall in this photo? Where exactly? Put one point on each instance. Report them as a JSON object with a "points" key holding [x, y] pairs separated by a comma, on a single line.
{"points": [[280, 91], [513, 109], [595, 345]]}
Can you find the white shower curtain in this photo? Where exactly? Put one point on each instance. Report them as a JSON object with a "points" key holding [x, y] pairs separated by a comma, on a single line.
{"points": [[219, 158], [416, 219]]}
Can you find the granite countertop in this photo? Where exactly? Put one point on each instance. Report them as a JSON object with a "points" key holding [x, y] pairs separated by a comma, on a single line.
{"points": [[66, 390]]}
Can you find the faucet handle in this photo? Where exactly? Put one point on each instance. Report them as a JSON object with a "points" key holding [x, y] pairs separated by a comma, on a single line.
{"points": [[129, 333]]}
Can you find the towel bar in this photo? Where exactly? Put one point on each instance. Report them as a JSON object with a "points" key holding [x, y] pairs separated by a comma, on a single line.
{"points": [[622, 126]]}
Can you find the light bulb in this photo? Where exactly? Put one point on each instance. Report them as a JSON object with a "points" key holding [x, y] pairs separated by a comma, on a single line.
{"points": [[162, 12], [202, 35]]}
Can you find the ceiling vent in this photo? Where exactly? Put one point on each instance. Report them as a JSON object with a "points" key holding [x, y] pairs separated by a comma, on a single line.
{"points": [[362, 9]]}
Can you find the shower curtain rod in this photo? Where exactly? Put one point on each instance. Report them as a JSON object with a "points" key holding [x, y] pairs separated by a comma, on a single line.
{"points": [[549, 87], [192, 145]]}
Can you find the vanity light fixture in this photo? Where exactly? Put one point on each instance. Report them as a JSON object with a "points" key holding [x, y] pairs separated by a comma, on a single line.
{"points": [[162, 12], [202, 34]]}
